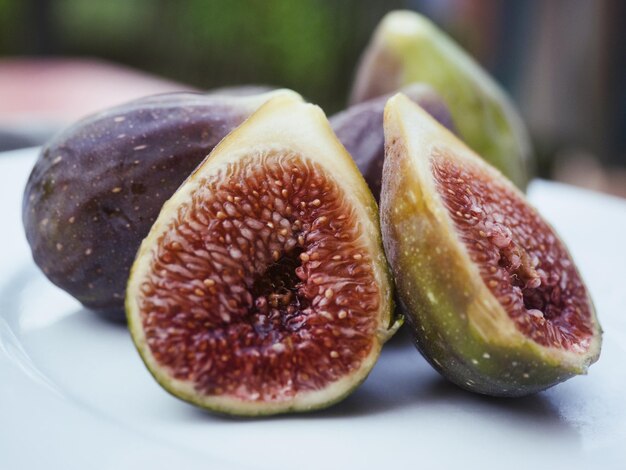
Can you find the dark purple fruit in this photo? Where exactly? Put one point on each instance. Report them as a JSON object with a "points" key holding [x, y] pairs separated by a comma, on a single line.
{"points": [[98, 186], [262, 286], [360, 129], [491, 293]]}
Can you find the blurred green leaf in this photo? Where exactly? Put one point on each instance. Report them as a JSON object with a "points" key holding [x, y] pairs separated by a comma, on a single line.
{"points": [[308, 45]]}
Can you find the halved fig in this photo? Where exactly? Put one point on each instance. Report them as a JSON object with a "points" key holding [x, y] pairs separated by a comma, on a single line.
{"points": [[360, 129], [406, 48], [262, 287], [491, 293]]}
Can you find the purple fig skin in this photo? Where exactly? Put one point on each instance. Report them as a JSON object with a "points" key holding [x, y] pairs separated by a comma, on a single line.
{"points": [[360, 129], [97, 187]]}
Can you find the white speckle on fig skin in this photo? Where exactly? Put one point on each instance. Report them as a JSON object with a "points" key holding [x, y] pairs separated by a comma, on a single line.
{"points": [[284, 275]]}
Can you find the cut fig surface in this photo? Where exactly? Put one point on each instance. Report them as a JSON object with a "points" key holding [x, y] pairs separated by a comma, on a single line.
{"points": [[519, 257], [262, 287], [494, 299]]}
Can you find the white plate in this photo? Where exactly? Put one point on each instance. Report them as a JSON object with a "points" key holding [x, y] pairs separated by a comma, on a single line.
{"points": [[74, 393]]}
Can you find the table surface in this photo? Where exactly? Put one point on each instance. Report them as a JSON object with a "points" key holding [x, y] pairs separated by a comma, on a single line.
{"points": [[74, 393]]}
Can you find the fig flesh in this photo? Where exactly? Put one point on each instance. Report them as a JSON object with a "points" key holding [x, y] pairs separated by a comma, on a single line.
{"points": [[360, 129], [491, 293], [97, 187], [406, 48], [262, 287]]}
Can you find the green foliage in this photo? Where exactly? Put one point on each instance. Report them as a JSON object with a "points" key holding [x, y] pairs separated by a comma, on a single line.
{"points": [[280, 42], [309, 45], [110, 23], [10, 13]]}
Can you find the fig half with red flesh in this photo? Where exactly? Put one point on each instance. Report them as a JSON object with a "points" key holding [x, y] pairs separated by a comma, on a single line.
{"points": [[262, 287], [491, 293]]}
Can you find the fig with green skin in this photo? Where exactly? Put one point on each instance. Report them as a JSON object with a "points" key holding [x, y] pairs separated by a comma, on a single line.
{"points": [[491, 293], [360, 129], [262, 287], [97, 187], [406, 48]]}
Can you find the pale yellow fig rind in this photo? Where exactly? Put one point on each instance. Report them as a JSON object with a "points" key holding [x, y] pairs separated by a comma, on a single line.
{"points": [[459, 325], [285, 123]]}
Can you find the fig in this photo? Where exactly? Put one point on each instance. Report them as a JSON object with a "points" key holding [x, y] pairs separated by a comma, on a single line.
{"points": [[262, 287], [406, 47], [360, 129], [97, 187], [492, 296]]}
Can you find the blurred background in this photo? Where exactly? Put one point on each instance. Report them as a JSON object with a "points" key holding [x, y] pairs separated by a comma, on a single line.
{"points": [[562, 61]]}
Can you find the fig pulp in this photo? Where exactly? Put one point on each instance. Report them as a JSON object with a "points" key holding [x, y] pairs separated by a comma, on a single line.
{"points": [[407, 48], [97, 187], [360, 129], [262, 287], [491, 293]]}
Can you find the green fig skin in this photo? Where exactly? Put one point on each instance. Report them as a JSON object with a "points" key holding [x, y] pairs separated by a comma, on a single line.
{"points": [[407, 48], [458, 325], [360, 129], [98, 186]]}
